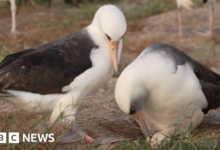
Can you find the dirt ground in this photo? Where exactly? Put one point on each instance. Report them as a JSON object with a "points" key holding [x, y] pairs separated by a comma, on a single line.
{"points": [[41, 25]]}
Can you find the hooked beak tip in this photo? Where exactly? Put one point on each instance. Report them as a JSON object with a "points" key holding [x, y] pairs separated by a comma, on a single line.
{"points": [[141, 120]]}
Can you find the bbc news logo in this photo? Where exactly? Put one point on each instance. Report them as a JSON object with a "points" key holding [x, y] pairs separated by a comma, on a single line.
{"points": [[13, 137]]}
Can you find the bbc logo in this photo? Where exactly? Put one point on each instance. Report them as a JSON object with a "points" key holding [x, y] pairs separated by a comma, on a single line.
{"points": [[13, 137]]}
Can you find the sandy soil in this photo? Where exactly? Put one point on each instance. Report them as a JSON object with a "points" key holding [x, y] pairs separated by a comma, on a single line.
{"points": [[109, 120]]}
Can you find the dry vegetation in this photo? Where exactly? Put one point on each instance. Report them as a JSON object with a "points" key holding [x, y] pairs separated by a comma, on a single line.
{"points": [[146, 24]]}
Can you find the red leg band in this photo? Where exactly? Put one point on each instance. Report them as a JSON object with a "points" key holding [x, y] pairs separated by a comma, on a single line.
{"points": [[89, 139]]}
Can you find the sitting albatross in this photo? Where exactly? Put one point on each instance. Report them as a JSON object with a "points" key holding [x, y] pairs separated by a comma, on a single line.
{"points": [[57, 76], [164, 90]]}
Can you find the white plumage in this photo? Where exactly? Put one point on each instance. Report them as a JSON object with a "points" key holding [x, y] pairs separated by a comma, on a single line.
{"points": [[166, 92], [79, 64], [188, 4]]}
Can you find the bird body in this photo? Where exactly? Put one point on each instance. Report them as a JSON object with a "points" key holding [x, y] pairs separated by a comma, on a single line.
{"points": [[166, 91], [44, 97], [188, 4], [57, 76]]}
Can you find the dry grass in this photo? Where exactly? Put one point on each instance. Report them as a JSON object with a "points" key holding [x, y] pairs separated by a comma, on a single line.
{"points": [[206, 136], [18, 121], [14, 120], [100, 123], [41, 25]]}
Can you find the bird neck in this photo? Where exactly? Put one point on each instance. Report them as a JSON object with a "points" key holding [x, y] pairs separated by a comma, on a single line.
{"points": [[96, 33], [103, 52]]}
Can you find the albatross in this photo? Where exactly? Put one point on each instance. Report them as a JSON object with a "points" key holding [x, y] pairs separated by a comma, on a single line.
{"points": [[57, 76], [188, 4], [166, 92]]}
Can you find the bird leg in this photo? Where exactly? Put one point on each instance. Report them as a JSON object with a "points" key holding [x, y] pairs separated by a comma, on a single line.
{"points": [[211, 20], [13, 15], [73, 135], [180, 22], [76, 134], [211, 12]]}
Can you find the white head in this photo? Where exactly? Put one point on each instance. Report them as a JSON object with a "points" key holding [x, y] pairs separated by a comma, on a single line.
{"points": [[130, 92], [131, 95], [110, 24]]}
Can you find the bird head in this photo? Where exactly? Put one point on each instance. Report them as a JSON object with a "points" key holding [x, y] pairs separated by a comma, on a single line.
{"points": [[131, 95], [112, 24]]}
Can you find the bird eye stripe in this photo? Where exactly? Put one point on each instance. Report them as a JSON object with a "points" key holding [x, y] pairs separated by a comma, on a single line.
{"points": [[108, 37]]}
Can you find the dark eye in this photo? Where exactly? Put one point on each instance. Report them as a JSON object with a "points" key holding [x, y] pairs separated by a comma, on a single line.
{"points": [[108, 37], [132, 111]]}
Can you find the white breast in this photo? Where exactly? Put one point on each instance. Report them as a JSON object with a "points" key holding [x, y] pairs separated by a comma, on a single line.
{"points": [[85, 84], [170, 93]]}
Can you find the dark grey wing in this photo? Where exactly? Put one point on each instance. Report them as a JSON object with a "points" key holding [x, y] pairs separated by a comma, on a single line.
{"points": [[47, 68], [209, 80], [210, 83]]}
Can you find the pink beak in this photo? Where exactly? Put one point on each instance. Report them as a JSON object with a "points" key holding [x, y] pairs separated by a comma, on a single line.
{"points": [[141, 120]]}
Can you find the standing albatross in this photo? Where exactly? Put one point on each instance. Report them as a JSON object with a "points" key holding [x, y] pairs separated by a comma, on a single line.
{"points": [[185, 4], [166, 91], [211, 15], [188, 4], [59, 75]]}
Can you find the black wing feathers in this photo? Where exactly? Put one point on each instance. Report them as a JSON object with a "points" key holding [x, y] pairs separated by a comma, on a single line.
{"points": [[10, 58], [47, 68]]}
